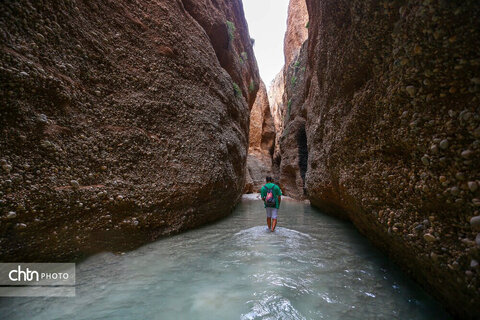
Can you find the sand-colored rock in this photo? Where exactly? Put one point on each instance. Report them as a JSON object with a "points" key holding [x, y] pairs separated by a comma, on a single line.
{"points": [[275, 98], [392, 106], [262, 129], [120, 122], [297, 31]]}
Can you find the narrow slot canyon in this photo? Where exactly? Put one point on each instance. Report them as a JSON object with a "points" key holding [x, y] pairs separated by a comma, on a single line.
{"points": [[136, 138]]}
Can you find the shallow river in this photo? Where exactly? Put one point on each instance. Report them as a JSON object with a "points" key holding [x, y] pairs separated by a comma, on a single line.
{"points": [[312, 267]]}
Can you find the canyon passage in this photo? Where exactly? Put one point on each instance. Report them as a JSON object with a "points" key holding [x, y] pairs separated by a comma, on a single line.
{"points": [[313, 267], [125, 122]]}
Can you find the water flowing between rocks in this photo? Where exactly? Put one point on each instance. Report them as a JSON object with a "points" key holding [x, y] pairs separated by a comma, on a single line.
{"points": [[312, 267]]}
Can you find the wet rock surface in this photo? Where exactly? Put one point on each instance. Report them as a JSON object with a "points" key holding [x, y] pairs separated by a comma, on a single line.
{"points": [[392, 126], [120, 122]]}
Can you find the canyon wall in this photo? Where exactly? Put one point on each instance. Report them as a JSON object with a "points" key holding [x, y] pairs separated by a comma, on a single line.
{"points": [[121, 122], [393, 133], [261, 142], [297, 29], [290, 157], [293, 150]]}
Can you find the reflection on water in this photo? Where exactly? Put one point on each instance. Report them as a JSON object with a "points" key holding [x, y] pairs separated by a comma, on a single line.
{"points": [[312, 267]]}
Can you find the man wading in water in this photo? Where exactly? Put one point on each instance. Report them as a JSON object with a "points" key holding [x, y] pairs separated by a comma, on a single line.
{"points": [[271, 196]]}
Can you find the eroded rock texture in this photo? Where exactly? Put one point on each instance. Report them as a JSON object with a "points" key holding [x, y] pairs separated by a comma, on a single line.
{"points": [[293, 150], [261, 142], [275, 98], [120, 122], [297, 32], [291, 154], [393, 133]]}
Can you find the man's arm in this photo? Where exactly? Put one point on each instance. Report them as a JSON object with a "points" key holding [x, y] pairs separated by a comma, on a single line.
{"points": [[279, 195]]}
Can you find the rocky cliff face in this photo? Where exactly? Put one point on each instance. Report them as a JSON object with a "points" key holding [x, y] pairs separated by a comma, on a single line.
{"points": [[293, 151], [275, 99], [120, 122], [393, 129], [261, 142], [297, 31], [291, 154]]}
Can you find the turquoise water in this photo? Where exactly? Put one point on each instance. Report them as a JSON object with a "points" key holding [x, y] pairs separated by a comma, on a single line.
{"points": [[312, 267]]}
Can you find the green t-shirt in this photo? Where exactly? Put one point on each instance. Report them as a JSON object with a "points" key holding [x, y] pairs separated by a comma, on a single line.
{"points": [[276, 192]]}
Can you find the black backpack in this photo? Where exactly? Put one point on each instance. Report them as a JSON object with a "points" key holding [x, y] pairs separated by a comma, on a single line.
{"points": [[270, 200]]}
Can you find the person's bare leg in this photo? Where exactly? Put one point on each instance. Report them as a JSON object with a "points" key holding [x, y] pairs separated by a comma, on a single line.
{"points": [[269, 222], [274, 224]]}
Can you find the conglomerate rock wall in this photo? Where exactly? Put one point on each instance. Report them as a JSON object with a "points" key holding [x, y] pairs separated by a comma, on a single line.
{"points": [[261, 142], [393, 133], [120, 122], [297, 29], [288, 96], [293, 151]]}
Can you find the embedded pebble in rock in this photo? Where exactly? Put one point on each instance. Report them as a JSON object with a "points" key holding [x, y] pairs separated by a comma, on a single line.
{"points": [[411, 90], [476, 133], [460, 176], [467, 154], [429, 238], [475, 222], [419, 227], [42, 118], [425, 160], [11, 215], [21, 225], [7, 168], [75, 184], [444, 144], [454, 191], [473, 186], [474, 264]]}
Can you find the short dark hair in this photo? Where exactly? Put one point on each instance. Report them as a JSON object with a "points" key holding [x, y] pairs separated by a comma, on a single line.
{"points": [[269, 179]]}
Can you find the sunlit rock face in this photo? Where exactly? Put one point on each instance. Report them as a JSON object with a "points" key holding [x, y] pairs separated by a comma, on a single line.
{"points": [[393, 126], [261, 142], [287, 96], [121, 122], [275, 98], [297, 29]]}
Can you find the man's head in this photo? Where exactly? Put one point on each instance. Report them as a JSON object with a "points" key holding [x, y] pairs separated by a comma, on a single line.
{"points": [[269, 179]]}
